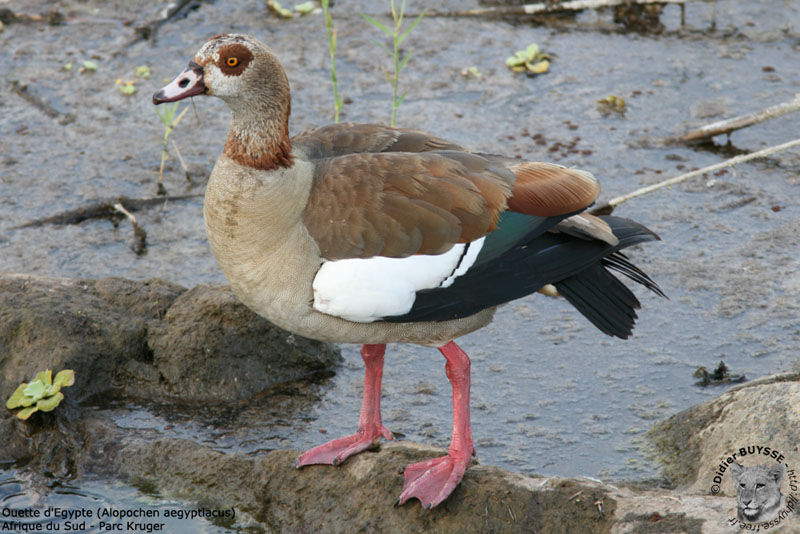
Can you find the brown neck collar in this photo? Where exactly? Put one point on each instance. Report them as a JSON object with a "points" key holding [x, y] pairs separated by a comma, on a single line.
{"points": [[259, 152], [260, 139]]}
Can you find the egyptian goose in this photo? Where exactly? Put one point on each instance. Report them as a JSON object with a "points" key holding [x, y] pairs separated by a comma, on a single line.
{"points": [[361, 233]]}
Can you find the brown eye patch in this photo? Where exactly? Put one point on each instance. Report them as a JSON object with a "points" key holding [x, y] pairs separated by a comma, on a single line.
{"points": [[234, 58]]}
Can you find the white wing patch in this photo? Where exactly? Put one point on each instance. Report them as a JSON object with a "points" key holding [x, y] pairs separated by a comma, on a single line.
{"points": [[366, 290]]}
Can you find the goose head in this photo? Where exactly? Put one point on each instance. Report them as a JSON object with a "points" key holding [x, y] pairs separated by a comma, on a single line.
{"points": [[247, 75]]}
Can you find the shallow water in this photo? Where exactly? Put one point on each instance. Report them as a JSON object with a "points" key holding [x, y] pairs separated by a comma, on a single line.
{"points": [[100, 506], [550, 393]]}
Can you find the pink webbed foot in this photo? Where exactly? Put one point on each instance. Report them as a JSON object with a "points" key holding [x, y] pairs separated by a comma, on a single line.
{"points": [[432, 481], [338, 450], [370, 427]]}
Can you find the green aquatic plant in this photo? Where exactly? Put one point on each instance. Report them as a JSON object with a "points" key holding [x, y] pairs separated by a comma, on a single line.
{"points": [[88, 66], [170, 122], [305, 8], [42, 394], [397, 39], [281, 11], [337, 98], [612, 103], [531, 60], [143, 71], [126, 88]]}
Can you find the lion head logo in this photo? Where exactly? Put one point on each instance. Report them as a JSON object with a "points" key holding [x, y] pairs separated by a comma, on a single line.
{"points": [[758, 491]]}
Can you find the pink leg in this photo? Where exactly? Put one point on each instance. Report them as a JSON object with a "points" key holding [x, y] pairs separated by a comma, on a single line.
{"points": [[433, 480], [370, 428]]}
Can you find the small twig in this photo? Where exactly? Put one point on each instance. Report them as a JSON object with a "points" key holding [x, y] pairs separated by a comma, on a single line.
{"points": [[600, 509], [24, 92], [736, 123], [543, 8], [608, 207], [139, 235], [52, 17], [180, 159], [100, 210]]}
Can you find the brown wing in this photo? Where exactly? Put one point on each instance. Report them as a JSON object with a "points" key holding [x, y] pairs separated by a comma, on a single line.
{"points": [[549, 190], [381, 191], [351, 138], [400, 204]]}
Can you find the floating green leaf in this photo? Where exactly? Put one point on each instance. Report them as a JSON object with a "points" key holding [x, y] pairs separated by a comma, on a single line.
{"points": [[35, 390], [143, 71], [539, 67], [279, 9], [612, 103], [89, 65], [64, 378], [17, 398], [27, 412], [42, 393], [305, 8], [67, 66], [45, 376], [127, 88], [531, 60], [49, 404], [471, 71]]}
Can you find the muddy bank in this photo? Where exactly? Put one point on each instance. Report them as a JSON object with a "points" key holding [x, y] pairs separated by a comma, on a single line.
{"points": [[150, 339], [761, 414], [358, 496], [164, 348]]}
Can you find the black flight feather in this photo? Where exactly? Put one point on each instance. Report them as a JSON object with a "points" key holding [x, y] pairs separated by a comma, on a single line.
{"points": [[577, 267]]}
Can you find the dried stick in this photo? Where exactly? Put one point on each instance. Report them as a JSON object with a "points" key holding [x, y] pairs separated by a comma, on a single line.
{"points": [[736, 123], [139, 235], [608, 207], [100, 210], [543, 8]]}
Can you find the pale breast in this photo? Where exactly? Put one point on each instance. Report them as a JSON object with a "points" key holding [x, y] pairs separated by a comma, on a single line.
{"points": [[254, 227]]}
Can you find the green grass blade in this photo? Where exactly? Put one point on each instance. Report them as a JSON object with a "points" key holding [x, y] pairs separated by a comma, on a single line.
{"points": [[382, 27], [383, 47], [178, 119], [411, 27], [405, 60]]}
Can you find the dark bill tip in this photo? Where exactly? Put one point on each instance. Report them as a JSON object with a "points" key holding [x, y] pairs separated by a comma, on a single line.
{"points": [[188, 83]]}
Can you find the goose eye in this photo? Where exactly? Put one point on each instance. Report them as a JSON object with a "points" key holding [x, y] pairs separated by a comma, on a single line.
{"points": [[233, 59]]}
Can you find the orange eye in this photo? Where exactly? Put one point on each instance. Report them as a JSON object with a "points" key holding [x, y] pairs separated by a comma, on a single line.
{"points": [[232, 61]]}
